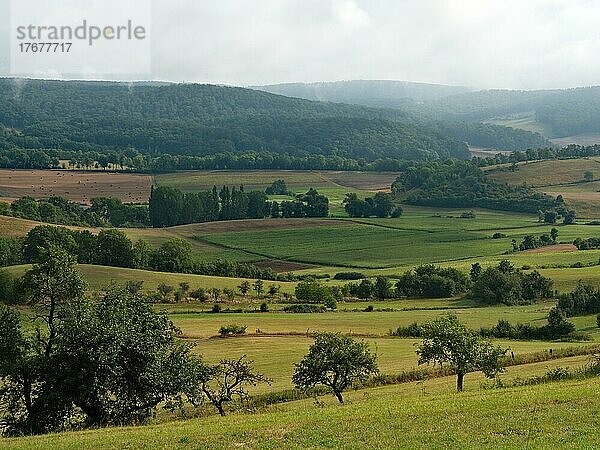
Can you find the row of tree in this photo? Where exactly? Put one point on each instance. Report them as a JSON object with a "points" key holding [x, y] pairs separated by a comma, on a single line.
{"points": [[103, 212], [380, 205], [169, 206]]}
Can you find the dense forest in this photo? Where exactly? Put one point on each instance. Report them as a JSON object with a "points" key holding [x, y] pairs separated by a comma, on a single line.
{"points": [[201, 120]]}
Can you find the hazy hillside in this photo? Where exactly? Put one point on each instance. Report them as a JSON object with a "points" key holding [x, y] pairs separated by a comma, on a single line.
{"points": [[195, 119], [437, 106], [382, 93], [560, 112]]}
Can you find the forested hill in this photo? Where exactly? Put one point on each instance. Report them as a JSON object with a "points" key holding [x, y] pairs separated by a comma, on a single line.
{"points": [[193, 119], [380, 93], [562, 112], [433, 105]]}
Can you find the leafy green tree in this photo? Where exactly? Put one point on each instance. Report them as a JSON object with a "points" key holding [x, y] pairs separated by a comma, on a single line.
{"points": [[215, 293], [114, 248], [11, 251], [244, 288], [569, 217], [273, 290], [382, 204], [312, 291], [364, 289], [142, 253], [117, 359], [223, 382], [49, 286], [165, 291], [174, 255], [382, 288], [475, 271], [46, 236], [554, 234], [259, 286], [335, 361], [495, 286], [447, 341], [550, 216]]}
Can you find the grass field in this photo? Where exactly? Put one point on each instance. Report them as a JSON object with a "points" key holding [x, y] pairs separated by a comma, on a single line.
{"points": [[561, 415], [561, 177], [525, 121], [77, 186]]}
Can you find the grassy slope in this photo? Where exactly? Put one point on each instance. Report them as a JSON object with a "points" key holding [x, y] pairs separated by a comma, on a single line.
{"points": [[562, 177], [100, 277], [557, 415]]}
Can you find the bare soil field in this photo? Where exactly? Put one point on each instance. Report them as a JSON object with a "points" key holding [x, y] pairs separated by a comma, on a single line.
{"points": [[553, 249], [77, 186]]}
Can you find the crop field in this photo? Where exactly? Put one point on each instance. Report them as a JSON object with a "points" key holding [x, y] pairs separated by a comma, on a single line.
{"points": [[77, 186], [261, 179]]}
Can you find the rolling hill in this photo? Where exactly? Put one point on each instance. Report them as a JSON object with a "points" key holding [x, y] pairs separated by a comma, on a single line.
{"points": [[200, 120]]}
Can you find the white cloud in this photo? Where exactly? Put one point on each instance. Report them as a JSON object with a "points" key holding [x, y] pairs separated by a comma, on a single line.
{"points": [[481, 43]]}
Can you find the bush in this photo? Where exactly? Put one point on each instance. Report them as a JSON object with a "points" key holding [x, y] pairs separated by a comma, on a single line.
{"points": [[216, 308], [264, 307], [498, 235], [413, 330], [304, 308], [199, 295], [349, 276], [432, 282], [232, 330], [312, 291]]}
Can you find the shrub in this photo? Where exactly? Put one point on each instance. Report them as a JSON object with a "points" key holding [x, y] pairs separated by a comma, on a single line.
{"points": [[199, 295], [216, 308], [232, 330], [264, 307], [349, 276], [413, 330], [304, 308]]}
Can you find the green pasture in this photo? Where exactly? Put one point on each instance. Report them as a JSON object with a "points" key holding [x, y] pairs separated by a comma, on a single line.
{"points": [[412, 415], [376, 323]]}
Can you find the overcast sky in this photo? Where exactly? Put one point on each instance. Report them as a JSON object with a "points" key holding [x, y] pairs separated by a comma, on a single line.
{"points": [[522, 44]]}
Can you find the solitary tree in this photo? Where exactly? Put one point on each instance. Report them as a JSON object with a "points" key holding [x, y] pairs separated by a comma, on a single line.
{"points": [[259, 286], [227, 380], [244, 288], [335, 361], [449, 341]]}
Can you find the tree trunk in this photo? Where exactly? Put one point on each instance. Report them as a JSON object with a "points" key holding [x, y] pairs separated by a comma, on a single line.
{"points": [[459, 381], [221, 409], [339, 396]]}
